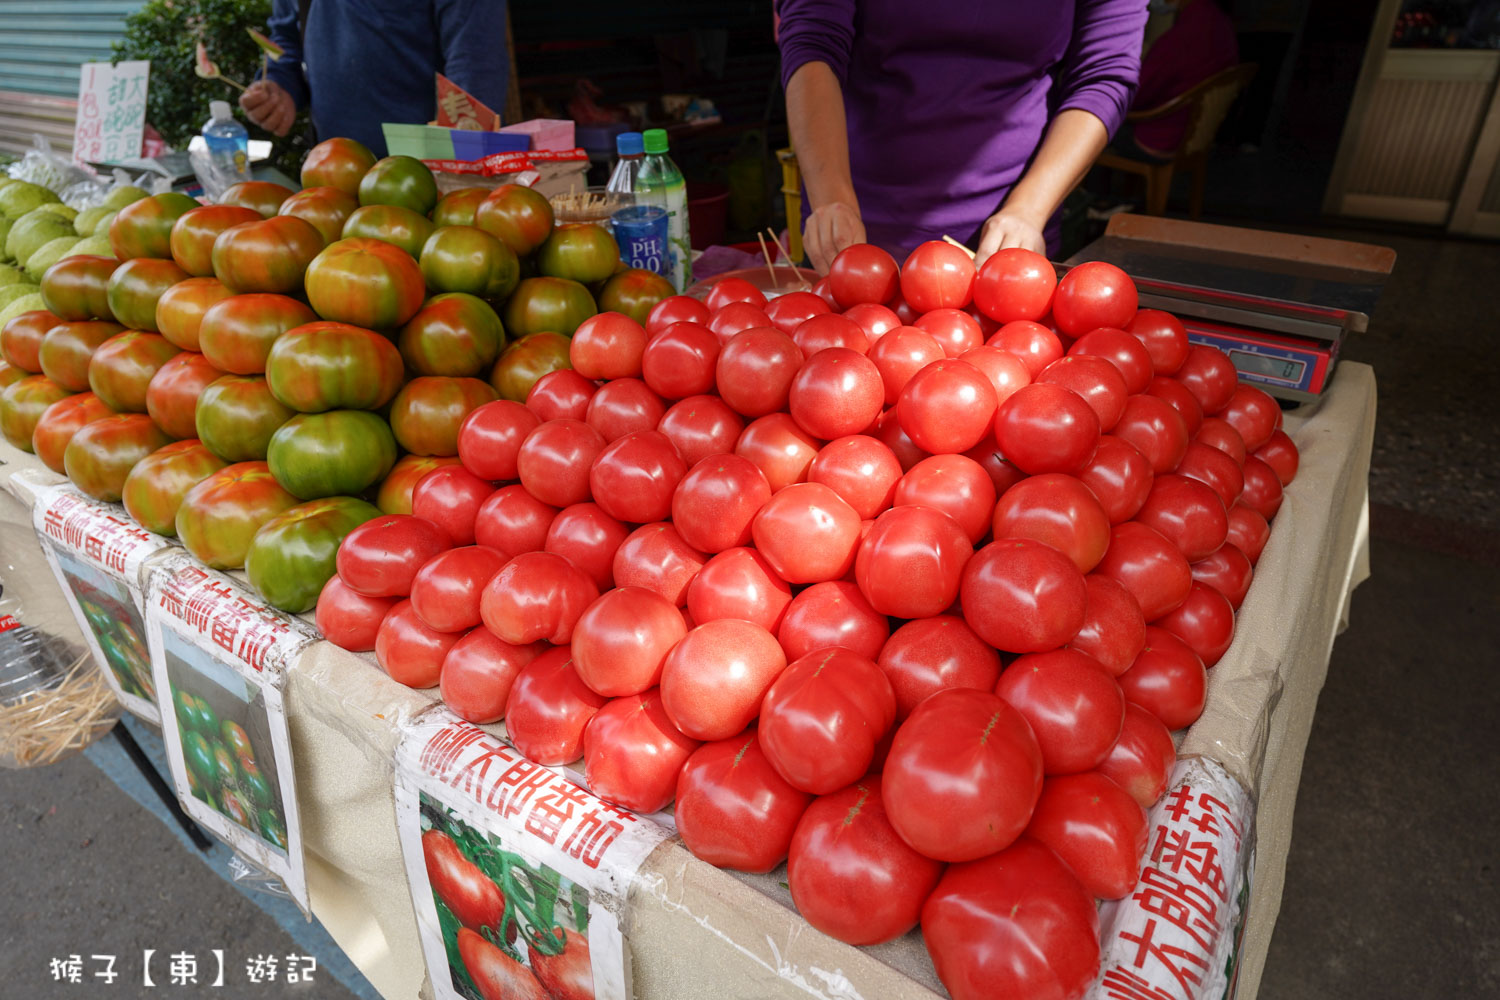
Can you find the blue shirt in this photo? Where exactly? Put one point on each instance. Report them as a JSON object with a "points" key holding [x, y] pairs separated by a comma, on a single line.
{"points": [[364, 62]]}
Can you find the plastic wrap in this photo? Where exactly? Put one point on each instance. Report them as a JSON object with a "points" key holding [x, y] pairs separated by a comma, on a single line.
{"points": [[40, 165]]}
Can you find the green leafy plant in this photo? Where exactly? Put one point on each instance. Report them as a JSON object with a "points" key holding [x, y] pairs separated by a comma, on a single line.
{"points": [[167, 32]]}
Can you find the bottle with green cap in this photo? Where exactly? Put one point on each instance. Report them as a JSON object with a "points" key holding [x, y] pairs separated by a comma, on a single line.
{"points": [[661, 183]]}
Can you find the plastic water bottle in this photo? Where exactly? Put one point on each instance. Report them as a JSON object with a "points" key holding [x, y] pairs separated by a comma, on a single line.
{"points": [[632, 151], [228, 142], [659, 182]]}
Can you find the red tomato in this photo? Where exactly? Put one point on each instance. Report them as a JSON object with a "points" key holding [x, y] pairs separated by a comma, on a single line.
{"points": [[1073, 704], [755, 371], [655, 557], [713, 681], [1092, 295], [1280, 453], [937, 275], [1248, 531], [1149, 566], [807, 533], [513, 521], [910, 563], [1047, 428], [1094, 378], [587, 537], [1262, 492], [1017, 924], [559, 394], [548, 709], [1023, 596], [963, 775], [947, 407], [1252, 412], [607, 345], [700, 426], [676, 309], [1005, 371], [713, 504], [928, 655], [1164, 336], [1189, 514], [624, 406], [172, 394], [1119, 476], [861, 470], [1096, 828], [733, 810], [1141, 760], [680, 361], [1156, 429], [1033, 343], [1209, 375], [823, 717], [554, 461], [60, 421], [836, 392], [381, 557], [1113, 630], [1120, 349], [537, 595], [863, 273], [875, 320], [1167, 680], [829, 330], [899, 355], [634, 477], [450, 497], [739, 583], [570, 974], [495, 974], [1205, 621], [954, 329], [467, 891], [409, 651], [1228, 571], [1015, 284], [1058, 510], [622, 640], [727, 290], [445, 591], [349, 619], [850, 874], [1214, 468], [1184, 402], [478, 673], [954, 484], [789, 311], [781, 450], [1217, 433], [632, 752], [833, 613], [887, 431], [489, 439], [737, 317], [1001, 471]]}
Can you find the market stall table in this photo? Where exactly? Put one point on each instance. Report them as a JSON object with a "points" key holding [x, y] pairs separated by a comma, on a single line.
{"points": [[697, 931]]}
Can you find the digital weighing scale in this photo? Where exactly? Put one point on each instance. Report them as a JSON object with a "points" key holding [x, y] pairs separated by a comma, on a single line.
{"points": [[1279, 305]]}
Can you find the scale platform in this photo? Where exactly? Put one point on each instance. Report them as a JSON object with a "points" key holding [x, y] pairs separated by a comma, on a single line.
{"points": [[1280, 305]]}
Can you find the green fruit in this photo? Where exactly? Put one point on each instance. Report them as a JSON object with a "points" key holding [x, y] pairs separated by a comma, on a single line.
{"points": [[123, 195], [272, 828], [225, 773], [200, 759], [19, 302], [10, 276], [58, 208], [95, 246], [47, 254], [330, 454], [182, 702], [21, 197], [5, 225], [293, 554], [208, 721], [31, 233], [86, 223]]}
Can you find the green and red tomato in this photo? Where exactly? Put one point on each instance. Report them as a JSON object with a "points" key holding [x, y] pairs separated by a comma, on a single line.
{"points": [[101, 454], [403, 181], [293, 554], [122, 368], [427, 412], [365, 283], [21, 339], [22, 405], [520, 217], [173, 393], [335, 453], [580, 251], [262, 197], [144, 228], [194, 234], [155, 488], [453, 334], [269, 255], [400, 227], [236, 417], [77, 288], [456, 208], [325, 208], [236, 335], [219, 517], [60, 421], [180, 309], [525, 361], [555, 305], [135, 286], [634, 292], [396, 489], [463, 258], [333, 366], [339, 163]]}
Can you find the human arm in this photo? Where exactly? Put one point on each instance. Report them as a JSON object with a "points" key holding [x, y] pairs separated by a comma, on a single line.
{"points": [[471, 43], [1074, 139], [272, 102], [815, 119]]}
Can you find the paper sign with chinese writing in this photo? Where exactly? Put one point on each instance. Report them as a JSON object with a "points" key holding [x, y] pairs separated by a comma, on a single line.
{"points": [[529, 873], [457, 108], [1177, 936], [96, 552], [111, 111], [220, 656]]}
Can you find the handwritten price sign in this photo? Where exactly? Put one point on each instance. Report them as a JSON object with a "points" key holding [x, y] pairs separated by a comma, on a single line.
{"points": [[111, 111]]}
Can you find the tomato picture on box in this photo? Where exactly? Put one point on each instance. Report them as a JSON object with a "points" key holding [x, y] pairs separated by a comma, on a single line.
{"points": [[511, 927], [225, 736], [115, 624]]}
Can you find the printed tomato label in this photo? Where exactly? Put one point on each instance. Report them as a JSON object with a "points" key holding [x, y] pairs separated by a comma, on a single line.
{"points": [[518, 876], [97, 553], [1177, 936]]}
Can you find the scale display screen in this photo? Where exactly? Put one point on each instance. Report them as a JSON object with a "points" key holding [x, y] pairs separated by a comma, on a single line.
{"points": [[1286, 369]]}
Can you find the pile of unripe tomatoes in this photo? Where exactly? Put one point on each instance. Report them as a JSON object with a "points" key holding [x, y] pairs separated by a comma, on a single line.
{"points": [[903, 580]]}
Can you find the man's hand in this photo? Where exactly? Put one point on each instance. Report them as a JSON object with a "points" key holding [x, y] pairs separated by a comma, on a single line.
{"points": [[1008, 229], [269, 106], [829, 229]]}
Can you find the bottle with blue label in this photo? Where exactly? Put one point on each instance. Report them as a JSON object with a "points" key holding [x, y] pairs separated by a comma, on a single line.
{"points": [[228, 142], [661, 184]]}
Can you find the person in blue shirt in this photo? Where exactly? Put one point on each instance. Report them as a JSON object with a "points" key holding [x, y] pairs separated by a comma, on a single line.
{"points": [[363, 62]]}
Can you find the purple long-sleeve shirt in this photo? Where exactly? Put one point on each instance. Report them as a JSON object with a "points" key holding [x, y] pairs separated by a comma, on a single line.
{"points": [[947, 101]]}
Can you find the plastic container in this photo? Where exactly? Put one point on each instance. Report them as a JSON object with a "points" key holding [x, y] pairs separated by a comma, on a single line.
{"points": [[632, 152], [228, 142], [641, 232], [592, 204], [660, 183], [708, 213]]}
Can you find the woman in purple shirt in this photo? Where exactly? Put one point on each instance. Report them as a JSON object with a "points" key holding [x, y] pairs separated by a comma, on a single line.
{"points": [[966, 118]]}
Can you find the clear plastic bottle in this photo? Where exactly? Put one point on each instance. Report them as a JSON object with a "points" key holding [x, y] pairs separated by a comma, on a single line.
{"points": [[659, 182], [228, 142], [632, 151]]}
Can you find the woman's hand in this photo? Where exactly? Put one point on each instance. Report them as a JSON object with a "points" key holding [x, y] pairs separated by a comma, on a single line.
{"points": [[829, 229], [1007, 229], [269, 106]]}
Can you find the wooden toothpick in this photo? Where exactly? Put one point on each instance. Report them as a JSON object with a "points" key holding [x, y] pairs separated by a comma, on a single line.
{"points": [[949, 239], [766, 253], [801, 281]]}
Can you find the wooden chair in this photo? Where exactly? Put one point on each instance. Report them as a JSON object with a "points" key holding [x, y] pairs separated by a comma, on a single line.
{"points": [[1208, 104]]}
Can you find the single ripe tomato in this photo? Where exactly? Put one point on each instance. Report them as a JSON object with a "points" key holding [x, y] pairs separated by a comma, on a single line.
{"points": [[789, 311], [863, 273], [937, 275], [655, 557], [1209, 375], [836, 392], [781, 450], [1218, 433], [1141, 760], [1094, 378], [1149, 566], [587, 537], [928, 655], [727, 290], [1281, 454], [380, 558], [554, 460], [1228, 571], [537, 595], [875, 320], [861, 470], [489, 439], [733, 810], [739, 583], [1113, 630], [409, 651], [1023, 596], [1248, 531], [1187, 513], [1006, 372], [634, 477], [676, 309], [1096, 828], [450, 497], [755, 370], [899, 355], [1262, 492], [1073, 704], [478, 673], [1165, 338], [513, 521], [1205, 621], [445, 592], [1213, 468], [680, 361], [700, 426], [850, 874], [464, 888], [1184, 402], [632, 752], [623, 638], [954, 329], [713, 681], [1167, 680], [1047, 428], [1059, 511], [1120, 349], [1119, 476], [624, 406], [548, 709], [1092, 295], [737, 317], [954, 484], [715, 502], [807, 533], [1033, 343], [1253, 412], [823, 717], [833, 613], [349, 619], [1015, 283], [559, 394], [911, 561], [947, 407], [607, 345], [829, 330], [1156, 429]]}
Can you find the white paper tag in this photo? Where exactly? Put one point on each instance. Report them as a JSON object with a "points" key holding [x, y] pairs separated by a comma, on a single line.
{"points": [[1177, 935], [507, 858], [220, 657], [96, 552]]}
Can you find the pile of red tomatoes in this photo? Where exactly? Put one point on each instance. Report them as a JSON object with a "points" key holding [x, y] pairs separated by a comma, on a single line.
{"points": [[904, 581]]}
